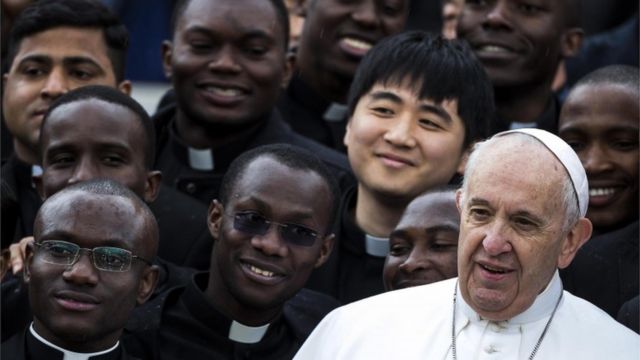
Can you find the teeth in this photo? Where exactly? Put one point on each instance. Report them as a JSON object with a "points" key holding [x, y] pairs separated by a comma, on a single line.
{"points": [[601, 191], [358, 44], [223, 91], [260, 271], [493, 269], [494, 49]]}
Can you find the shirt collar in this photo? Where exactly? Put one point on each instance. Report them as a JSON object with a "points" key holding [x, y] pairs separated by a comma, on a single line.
{"points": [[376, 246], [68, 354], [541, 307], [200, 307]]}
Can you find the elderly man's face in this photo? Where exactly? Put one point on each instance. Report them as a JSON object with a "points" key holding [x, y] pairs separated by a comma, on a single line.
{"points": [[511, 235]]}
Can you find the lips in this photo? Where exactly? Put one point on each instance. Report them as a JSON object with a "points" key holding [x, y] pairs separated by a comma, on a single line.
{"points": [[355, 46], [603, 195], [76, 301], [395, 161], [491, 272], [260, 272], [494, 50], [223, 94]]}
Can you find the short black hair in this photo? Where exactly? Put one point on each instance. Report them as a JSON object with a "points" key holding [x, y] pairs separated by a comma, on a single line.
{"points": [[289, 155], [113, 96], [281, 12], [44, 15], [438, 69], [625, 75]]}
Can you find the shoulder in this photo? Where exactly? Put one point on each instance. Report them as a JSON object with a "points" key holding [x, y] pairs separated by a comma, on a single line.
{"points": [[306, 309]]}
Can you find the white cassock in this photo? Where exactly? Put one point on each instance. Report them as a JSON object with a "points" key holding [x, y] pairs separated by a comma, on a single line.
{"points": [[416, 323]]}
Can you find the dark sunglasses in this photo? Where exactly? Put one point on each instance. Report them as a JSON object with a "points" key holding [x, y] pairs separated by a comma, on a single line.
{"points": [[253, 223]]}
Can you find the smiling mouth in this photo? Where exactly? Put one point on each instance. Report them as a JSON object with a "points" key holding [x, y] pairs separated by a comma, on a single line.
{"points": [[602, 191], [261, 272], [224, 92], [494, 270], [494, 49]]}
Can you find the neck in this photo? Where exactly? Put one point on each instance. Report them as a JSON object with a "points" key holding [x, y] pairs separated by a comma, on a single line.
{"points": [[375, 215], [522, 104], [80, 344], [24, 153], [330, 85], [201, 136], [224, 301]]}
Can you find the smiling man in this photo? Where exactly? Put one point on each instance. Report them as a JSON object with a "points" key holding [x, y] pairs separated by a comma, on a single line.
{"points": [[335, 38], [520, 222], [424, 245], [416, 104], [89, 266], [600, 120], [55, 46], [227, 62], [520, 45], [271, 228]]}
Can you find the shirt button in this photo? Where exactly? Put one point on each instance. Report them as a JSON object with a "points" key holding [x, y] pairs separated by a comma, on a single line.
{"points": [[191, 188], [490, 349]]}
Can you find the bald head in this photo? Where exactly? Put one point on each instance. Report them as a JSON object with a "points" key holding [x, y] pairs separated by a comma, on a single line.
{"points": [[132, 220]]}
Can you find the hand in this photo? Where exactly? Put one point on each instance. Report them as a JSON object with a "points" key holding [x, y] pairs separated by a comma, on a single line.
{"points": [[18, 254]]}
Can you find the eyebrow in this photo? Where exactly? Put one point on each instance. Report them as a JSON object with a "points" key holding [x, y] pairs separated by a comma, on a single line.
{"points": [[246, 32], [434, 109], [263, 206], [441, 228]]}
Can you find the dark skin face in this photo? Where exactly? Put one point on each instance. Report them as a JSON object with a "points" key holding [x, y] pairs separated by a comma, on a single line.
{"points": [[71, 153], [227, 63], [519, 43], [423, 247], [600, 122], [338, 33], [79, 307], [252, 276]]}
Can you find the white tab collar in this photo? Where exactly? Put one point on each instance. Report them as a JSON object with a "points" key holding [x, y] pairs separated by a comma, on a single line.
{"points": [[376, 246], [247, 334]]}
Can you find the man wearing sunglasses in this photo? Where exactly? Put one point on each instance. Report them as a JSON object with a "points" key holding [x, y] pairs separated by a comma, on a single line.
{"points": [[271, 228], [89, 266]]}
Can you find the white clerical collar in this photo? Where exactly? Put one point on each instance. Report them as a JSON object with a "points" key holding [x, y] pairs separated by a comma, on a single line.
{"points": [[541, 307], [376, 246], [70, 355], [246, 334], [201, 159]]}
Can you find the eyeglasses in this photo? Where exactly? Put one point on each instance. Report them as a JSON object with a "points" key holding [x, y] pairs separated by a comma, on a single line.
{"points": [[105, 258], [255, 224]]}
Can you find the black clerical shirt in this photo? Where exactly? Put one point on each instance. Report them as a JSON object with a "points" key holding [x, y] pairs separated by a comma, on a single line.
{"points": [[183, 324]]}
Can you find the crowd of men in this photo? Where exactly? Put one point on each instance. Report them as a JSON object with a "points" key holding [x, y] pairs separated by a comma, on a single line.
{"points": [[367, 193]]}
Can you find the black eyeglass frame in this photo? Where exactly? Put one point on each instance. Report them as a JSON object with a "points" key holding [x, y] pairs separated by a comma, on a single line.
{"points": [[79, 249]]}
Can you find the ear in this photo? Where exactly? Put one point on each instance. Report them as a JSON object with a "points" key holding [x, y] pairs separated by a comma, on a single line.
{"points": [[26, 273], [289, 65], [152, 185], [214, 218], [571, 42], [463, 159], [167, 54], [347, 134], [325, 249], [576, 237], [148, 283], [37, 181], [459, 200], [125, 87]]}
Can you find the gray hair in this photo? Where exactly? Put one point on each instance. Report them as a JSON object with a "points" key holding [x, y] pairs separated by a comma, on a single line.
{"points": [[569, 196]]}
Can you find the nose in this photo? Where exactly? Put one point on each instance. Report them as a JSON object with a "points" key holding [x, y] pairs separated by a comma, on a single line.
{"points": [[496, 240], [596, 160], [271, 243], [400, 133], [82, 272], [417, 260], [366, 14], [498, 16], [225, 61], [56, 85], [84, 170]]}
